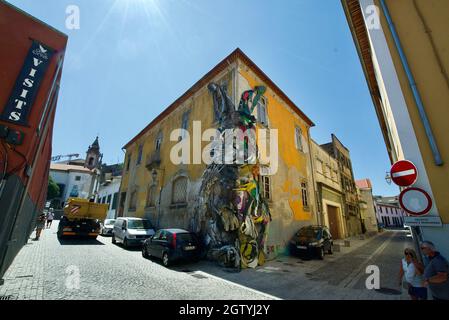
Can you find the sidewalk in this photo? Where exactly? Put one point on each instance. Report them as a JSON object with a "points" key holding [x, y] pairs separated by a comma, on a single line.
{"points": [[24, 280]]}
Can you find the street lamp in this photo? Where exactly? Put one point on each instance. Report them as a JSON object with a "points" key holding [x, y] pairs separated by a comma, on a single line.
{"points": [[154, 175], [388, 177]]}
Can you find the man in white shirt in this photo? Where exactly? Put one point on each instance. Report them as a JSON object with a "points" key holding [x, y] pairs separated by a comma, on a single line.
{"points": [[50, 217]]}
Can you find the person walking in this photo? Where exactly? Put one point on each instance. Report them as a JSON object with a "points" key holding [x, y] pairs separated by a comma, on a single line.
{"points": [[412, 270], [39, 226], [50, 217], [436, 272]]}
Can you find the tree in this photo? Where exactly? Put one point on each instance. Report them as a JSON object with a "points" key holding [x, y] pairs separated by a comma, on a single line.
{"points": [[53, 189]]}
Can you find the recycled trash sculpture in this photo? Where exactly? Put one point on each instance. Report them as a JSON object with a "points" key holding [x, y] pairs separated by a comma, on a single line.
{"points": [[231, 213]]}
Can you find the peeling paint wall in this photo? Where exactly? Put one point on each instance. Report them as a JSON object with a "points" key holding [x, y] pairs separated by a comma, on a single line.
{"points": [[286, 201]]}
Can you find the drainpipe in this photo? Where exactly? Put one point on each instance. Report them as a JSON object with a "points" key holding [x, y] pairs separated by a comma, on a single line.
{"points": [[417, 97]]}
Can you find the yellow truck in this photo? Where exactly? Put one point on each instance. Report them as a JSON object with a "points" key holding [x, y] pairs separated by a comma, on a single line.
{"points": [[82, 218]]}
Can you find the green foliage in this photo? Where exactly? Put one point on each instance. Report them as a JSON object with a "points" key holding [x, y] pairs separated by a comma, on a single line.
{"points": [[53, 189]]}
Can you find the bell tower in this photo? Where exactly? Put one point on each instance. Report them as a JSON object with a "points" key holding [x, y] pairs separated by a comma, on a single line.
{"points": [[93, 155]]}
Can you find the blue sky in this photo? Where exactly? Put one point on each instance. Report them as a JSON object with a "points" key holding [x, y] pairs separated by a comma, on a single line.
{"points": [[131, 58]]}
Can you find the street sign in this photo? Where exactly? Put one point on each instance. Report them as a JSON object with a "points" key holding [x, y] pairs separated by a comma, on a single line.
{"points": [[415, 201], [427, 221], [404, 173]]}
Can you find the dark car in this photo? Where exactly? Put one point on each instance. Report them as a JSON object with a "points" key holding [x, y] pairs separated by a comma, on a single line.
{"points": [[312, 240], [172, 245]]}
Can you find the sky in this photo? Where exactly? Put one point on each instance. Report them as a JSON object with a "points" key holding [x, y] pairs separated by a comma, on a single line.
{"points": [[130, 59]]}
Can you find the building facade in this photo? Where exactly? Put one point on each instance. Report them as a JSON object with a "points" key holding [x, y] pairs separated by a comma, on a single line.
{"points": [[388, 212], [169, 193], [330, 199], [404, 53], [352, 212], [367, 207], [109, 189], [72, 180]]}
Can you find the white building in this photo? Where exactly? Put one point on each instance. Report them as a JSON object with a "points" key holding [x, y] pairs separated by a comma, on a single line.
{"points": [[388, 211], [73, 181], [108, 192]]}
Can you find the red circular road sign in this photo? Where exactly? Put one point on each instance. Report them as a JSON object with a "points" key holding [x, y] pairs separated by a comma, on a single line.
{"points": [[415, 201], [404, 173]]}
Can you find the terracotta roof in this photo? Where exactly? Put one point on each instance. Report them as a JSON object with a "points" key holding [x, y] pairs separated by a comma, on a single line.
{"points": [[68, 167], [236, 54], [364, 184]]}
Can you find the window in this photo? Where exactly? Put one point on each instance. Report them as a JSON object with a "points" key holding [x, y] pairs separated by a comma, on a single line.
{"points": [[139, 155], [179, 194], [298, 139], [305, 195], [114, 201], [159, 141], [266, 187], [78, 178], [109, 199], [185, 123], [128, 162], [133, 200], [151, 196], [328, 171], [91, 161], [262, 111]]}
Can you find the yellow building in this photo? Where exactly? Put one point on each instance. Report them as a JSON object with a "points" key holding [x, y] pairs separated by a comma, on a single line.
{"points": [[168, 193], [331, 205], [366, 204], [404, 50]]}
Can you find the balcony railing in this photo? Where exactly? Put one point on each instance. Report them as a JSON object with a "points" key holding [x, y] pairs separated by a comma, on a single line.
{"points": [[153, 160]]}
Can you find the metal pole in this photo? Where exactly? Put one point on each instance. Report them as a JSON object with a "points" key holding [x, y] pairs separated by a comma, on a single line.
{"points": [[417, 97]]}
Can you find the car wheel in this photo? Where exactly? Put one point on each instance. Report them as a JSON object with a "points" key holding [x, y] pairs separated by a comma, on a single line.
{"points": [[331, 249], [165, 260], [113, 239], [125, 243], [145, 252], [321, 253]]}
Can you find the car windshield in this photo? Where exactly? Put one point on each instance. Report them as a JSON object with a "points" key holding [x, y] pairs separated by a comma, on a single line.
{"points": [[109, 222], [310, 233], [139, 224]]}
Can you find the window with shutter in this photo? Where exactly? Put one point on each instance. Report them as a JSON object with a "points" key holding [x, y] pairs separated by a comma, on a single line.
{"points": [[179, 192], [298, 139]]}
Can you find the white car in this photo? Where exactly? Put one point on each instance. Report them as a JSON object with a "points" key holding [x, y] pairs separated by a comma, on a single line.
{"points": [[132, 231], [107, 227]]}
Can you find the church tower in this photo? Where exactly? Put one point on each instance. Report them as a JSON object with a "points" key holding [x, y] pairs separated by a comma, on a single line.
{"points": [[93, 157]]}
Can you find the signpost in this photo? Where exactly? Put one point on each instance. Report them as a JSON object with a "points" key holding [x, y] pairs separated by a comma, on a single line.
{"points": [[404, 173]]}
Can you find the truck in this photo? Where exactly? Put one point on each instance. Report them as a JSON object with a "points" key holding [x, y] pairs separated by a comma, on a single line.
{"points": [[82, 219], [31, 60]]}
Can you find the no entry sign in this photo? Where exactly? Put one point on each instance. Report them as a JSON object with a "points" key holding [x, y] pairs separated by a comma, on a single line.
{"points": [[415, 201], [404, 173]]}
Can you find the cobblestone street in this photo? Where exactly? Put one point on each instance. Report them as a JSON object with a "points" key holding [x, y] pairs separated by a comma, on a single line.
{"points": [[48, 269]]}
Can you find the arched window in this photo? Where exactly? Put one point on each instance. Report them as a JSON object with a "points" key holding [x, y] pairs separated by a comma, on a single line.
{"points": [[179, 191], [91, 161], [152, 196]]}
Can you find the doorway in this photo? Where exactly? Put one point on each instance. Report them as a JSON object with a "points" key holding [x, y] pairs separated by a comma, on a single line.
{"points": [[334, 221]]}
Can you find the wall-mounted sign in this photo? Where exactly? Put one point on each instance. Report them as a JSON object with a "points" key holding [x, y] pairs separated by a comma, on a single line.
{"points": [[404, 173], [27, 84], [415, 201], [427, 221]]}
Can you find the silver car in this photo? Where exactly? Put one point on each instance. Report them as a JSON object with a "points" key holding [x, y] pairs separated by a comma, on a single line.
{"points": [[106, 227]]}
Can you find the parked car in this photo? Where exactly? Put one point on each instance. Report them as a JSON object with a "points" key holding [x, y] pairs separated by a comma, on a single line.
{"points": [[132, 231], [107, 227], [312, 240], [172, 245]]}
